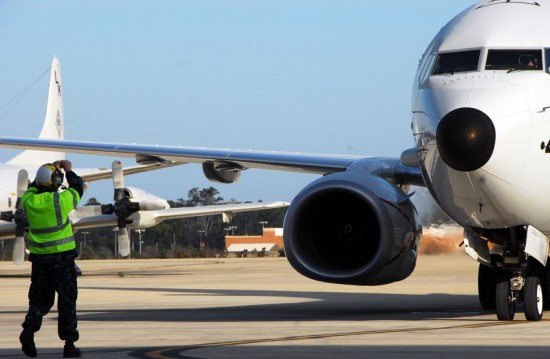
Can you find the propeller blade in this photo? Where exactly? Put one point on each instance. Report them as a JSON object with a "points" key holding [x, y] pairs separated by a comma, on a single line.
{"points": [[19, 250], [19, 244], [123, 242], [118, 180], [22, 182], [87, 211]]}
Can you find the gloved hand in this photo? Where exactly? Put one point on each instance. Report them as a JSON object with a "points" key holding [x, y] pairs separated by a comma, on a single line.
{"points": [[66, 165]]}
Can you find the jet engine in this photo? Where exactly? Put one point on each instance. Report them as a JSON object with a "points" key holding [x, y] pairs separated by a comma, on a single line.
{"points": [[352, 228]]}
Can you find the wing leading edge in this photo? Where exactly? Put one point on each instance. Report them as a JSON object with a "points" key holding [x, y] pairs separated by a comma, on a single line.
{"points": [[227, 159], [151, 218], [96, 174]]}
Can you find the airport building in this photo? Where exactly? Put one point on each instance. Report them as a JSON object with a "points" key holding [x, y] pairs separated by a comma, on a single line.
{"points": [[269, 244]]}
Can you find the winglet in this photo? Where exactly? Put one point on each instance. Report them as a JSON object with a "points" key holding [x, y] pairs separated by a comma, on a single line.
{"points": [[53, 127]]}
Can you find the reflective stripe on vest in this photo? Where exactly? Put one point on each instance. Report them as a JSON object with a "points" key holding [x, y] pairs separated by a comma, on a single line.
{"points": [[53, 243], [50, 230]]}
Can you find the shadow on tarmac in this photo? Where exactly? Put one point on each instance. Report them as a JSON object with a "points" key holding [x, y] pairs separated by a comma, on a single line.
{"points": [[302, 351], [317, 306], [349, 352]]}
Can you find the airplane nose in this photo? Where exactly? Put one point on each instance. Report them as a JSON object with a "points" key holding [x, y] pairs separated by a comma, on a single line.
{"points": [[466, 139]]}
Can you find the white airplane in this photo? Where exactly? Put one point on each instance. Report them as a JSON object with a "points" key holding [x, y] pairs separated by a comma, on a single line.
{"points": [[481, 125], [134, 208]]}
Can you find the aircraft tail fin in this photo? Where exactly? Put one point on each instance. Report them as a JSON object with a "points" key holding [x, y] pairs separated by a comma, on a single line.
{"points": [[53, 127]]}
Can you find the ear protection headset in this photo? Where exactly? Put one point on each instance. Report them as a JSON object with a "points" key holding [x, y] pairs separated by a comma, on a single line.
{"points": [[57, 178], [50, 176]]}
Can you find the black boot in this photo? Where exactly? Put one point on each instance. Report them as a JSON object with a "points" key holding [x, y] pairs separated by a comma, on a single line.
{"points": [[27, 343], [70, 351]]}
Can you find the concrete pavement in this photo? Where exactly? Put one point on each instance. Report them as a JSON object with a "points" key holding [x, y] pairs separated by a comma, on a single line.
{"points": [[261, 308]]}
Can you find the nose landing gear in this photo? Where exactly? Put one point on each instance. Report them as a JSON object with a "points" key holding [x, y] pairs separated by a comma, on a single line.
{"points": [[516, 289], [515, 272]]}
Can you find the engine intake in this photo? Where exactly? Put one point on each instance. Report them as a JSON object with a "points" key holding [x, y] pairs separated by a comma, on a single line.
{"points": [[352, 229]]}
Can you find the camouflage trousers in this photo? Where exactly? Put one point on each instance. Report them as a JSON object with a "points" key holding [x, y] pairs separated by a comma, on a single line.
{"points": [[47, 278]]}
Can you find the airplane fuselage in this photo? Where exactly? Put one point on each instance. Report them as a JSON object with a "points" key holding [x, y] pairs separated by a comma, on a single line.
{"points": [[481, 115], [8, 185]]}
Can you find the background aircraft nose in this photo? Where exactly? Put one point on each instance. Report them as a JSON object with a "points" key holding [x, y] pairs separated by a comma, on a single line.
{"points": [[465, 139]]}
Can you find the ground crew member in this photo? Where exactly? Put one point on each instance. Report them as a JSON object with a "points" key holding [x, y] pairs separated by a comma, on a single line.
{"points": [[52, 253]]}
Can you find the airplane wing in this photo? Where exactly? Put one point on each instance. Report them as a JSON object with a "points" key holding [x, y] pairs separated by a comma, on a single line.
{"points": [[356, 224], [7, 230], [145, 219], [224, 165], [96, 174]]}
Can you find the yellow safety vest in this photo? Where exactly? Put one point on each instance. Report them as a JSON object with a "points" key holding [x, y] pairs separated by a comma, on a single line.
{"points": [[50, 230]]}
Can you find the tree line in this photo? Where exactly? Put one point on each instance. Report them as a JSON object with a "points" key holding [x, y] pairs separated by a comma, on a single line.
{"points": [[177, 238]]}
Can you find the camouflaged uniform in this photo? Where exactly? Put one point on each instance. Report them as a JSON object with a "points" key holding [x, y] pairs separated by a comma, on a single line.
{"points": [[53, 273]]}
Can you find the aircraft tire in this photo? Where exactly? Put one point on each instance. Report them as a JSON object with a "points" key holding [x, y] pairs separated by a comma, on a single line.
{"points": [[486, 285], [533, 299], [504, 305], [545, 280]]}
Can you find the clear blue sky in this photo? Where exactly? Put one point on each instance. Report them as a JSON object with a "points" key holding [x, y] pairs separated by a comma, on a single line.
{"points": [[293, 75]]}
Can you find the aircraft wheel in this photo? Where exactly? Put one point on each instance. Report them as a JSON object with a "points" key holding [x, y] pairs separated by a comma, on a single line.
{"points": [[545, 280], [504, 304], [533, 300], [487, 285]]}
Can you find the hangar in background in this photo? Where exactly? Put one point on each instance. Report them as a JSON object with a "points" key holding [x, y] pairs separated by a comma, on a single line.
{"points": [[269, 244]]}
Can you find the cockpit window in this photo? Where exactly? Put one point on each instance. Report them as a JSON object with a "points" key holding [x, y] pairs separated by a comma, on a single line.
{"points": [[514, 60], [451, 62]]}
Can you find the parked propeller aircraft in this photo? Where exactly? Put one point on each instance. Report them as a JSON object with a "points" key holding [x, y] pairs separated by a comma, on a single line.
{"points": [[133, 207], [481, 126]]}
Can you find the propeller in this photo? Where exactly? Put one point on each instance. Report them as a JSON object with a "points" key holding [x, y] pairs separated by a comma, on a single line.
{"points": [[19, 217], [122, 208]]}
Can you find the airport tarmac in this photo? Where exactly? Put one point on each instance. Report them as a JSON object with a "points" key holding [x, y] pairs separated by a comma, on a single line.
{"points": [[261, 308]]}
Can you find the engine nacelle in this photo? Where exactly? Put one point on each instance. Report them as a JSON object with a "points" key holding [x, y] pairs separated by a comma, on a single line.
{"points": [[145, 218], [222, 172], [141, 220], [352, 228]]}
